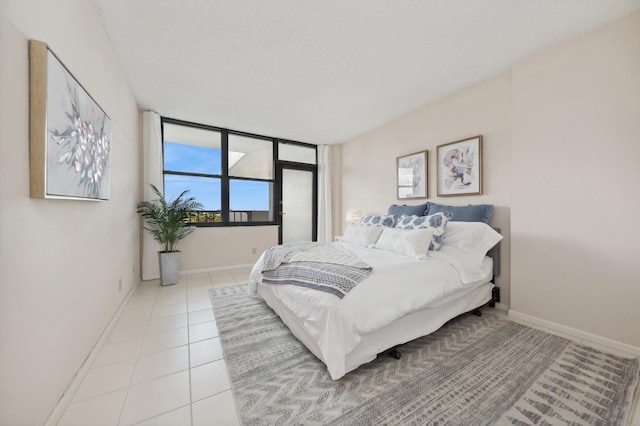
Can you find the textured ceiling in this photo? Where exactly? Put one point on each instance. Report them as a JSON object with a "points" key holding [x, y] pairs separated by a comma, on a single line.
{"points": [[326, 71]]}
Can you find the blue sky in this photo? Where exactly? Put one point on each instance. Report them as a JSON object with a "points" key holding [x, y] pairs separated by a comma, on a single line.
{"points": [[244, 195]]}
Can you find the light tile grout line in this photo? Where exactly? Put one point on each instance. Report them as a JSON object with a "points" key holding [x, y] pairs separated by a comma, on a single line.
{"points": [[72, 389], [189, 355], [133, 371], [229, 280], [166, 375]]}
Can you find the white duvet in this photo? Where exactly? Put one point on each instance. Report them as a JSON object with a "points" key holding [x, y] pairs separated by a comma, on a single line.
{"points": [[399, 285]]}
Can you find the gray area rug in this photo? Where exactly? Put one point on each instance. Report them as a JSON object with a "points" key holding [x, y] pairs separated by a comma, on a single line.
{"points": [[473, 371]]}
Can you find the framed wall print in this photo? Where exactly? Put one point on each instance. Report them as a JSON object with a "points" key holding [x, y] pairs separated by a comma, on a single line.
{"points": [[411, 172], [69, 134], [459, 167]]}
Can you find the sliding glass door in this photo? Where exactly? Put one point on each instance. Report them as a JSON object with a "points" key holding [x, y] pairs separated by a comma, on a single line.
{"points": [[298, 203]]}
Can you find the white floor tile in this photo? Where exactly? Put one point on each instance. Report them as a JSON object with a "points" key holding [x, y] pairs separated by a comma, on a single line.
{"points": [[142, 296], [160, 364], [169, 310], [163, 341], [128, 331], [154, 283], [198, 278], [215, 410], [209, 379], [198, 317], [170, 292], [159, 325], [171, 299], [133, 317], [203, 331], [179, 417], [202, 283], [198, 296], [137, 304], [222, 278], [205, 351], [199, 304], [159, 396], [118, 351], [101, 410], [105, 379], [146, 289]]}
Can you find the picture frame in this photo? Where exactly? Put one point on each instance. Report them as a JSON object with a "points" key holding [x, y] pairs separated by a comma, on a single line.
{"points": [[69, 133], [459, 167], [411, 175]]}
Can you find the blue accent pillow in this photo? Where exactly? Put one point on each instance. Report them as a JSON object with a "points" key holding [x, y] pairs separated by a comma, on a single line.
{"points": [[470, 213], [437, 222], [419, 210], [389, 220]]}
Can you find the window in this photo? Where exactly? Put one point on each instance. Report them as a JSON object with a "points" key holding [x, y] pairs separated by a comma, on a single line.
{"points": [[251, 179], [231, 173], [297, 153], [193, 161]]}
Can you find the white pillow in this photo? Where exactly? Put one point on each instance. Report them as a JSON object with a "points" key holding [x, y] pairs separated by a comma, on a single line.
{"points": [[414, 242], [464, 246], [362, 235], [475, 239]]}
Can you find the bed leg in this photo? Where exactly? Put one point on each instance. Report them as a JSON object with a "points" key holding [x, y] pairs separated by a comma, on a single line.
{"points": [[395, 353], [495, 297], [477, 312]]}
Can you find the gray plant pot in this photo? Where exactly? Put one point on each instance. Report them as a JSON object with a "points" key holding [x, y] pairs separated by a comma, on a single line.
{"points": [[169, 267]]}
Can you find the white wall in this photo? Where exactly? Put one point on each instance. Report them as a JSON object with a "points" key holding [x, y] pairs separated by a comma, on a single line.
{"points": [[60, 260], [561, 147], [215, 247], [369, 161], [576, 176]]}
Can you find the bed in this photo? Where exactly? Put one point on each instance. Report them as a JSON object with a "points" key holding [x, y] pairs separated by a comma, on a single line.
{"points": [[413, 288]]}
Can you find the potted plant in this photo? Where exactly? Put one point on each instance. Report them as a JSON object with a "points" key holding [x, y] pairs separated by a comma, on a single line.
{"points": [[167, 222]]}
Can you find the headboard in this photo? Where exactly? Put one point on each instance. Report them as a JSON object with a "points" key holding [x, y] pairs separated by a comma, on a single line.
{"points": [[494, 254]]}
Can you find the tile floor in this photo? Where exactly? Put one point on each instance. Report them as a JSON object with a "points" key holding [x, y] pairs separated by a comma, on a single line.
{"points": [[162, 363]]}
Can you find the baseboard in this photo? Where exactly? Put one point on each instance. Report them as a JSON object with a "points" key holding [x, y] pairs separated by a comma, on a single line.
{"points": [[502, 307], [218, 268], [577, 333], [68, 395]]}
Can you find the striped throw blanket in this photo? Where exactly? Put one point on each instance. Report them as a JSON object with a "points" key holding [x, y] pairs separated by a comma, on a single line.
{"points": [[322, 266]]}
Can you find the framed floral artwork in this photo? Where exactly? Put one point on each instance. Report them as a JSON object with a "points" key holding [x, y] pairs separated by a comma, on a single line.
{"points": [[69, 134], [411, 172], [459, 167]]}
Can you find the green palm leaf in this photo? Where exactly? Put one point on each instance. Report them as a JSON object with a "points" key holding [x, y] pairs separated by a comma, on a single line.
{"points": [[167, 220]]}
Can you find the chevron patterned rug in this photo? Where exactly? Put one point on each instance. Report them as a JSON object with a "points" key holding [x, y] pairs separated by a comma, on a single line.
{"points": [[473, 371]]}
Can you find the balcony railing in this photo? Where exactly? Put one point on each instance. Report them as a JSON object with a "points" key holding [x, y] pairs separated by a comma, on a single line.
{"points": [[214, 216]]}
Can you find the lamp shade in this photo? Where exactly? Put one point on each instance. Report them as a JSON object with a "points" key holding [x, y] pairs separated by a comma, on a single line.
{"points": [[353, 216]]}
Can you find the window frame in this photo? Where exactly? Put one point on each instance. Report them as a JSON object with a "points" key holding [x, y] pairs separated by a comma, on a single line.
{"points": [[225, 179]]}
